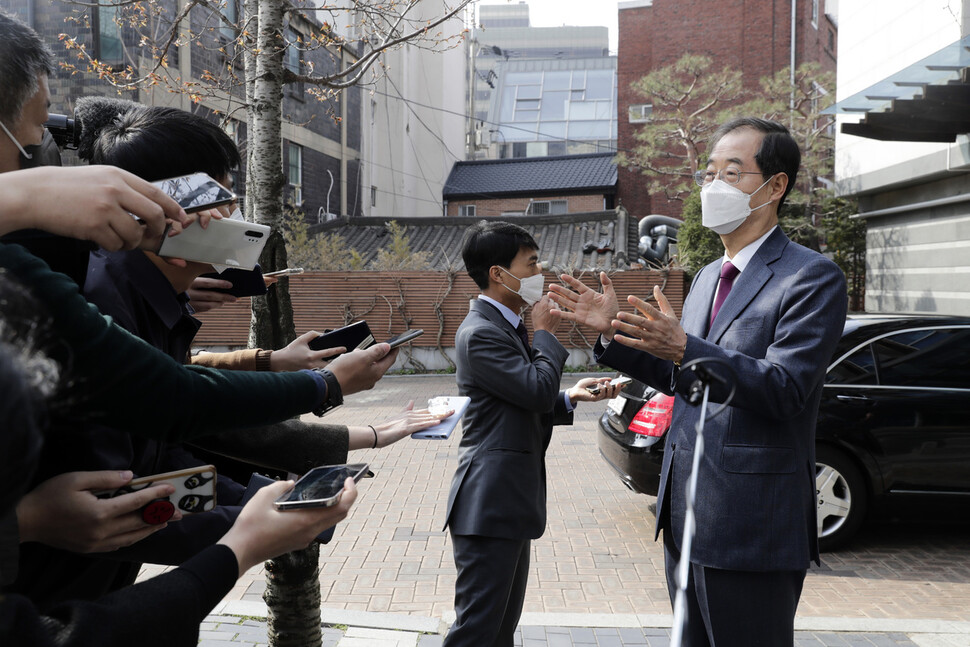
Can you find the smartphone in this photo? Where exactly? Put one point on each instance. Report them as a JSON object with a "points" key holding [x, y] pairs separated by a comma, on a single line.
{"points": [[245, 283], [352, 336], [321, 486], [617, 381], [196, 192], [404, 337], [235, 243], [195, 488], [289, 270]]}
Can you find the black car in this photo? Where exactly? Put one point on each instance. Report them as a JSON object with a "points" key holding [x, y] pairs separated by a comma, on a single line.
{"points": [[893, 431]]}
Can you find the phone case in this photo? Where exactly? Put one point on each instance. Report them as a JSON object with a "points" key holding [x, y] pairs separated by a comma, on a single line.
{"points": [[353, 336], [196, 192], [235, 243], [195, 488], [443, 429], [294, 498], [245, 283]]}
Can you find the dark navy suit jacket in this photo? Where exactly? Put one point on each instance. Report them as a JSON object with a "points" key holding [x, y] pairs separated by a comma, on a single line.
{"points": [[499, 488], [778, 329]]}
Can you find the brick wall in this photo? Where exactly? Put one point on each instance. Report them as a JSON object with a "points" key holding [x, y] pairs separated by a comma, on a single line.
{"points": [[490, 208], [753, 36], [324, 300]]}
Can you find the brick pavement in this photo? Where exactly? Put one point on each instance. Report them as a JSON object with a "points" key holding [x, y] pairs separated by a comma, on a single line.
{"points": [[597, 555]]}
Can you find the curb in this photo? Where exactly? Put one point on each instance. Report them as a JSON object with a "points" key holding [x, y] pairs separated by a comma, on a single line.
{"points": [[425, 624]]}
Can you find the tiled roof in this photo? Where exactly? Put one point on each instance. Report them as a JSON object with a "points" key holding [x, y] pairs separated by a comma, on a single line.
{"points": [[598, 240], [593, 173]]}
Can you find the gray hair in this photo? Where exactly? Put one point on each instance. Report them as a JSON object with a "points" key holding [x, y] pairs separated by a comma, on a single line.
{"points": [[23, 58]]}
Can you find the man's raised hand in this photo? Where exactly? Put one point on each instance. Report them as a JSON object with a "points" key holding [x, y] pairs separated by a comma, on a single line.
{"points": [[586, 306]]}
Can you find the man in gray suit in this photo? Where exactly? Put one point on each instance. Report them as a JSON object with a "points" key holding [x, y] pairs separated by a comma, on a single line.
{"points": [[497, 503], [774, 311]]}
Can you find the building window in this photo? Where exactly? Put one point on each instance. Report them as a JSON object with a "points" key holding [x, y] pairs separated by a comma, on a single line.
{"points": [[466, 210], [373, 196], [108, 47], [547, 207], [293, 61], [815, 13], [831, 40], [640, 113], [294, 172], [231, 14]]}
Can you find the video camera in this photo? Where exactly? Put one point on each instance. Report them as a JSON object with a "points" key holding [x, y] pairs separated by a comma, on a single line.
{"points": [[65, 131]]}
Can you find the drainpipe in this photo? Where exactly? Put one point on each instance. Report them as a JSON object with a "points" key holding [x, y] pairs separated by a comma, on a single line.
{"points": [[791, 65]]}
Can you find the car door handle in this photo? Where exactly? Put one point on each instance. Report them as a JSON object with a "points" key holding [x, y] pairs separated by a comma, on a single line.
{"points": [[852, 398]]}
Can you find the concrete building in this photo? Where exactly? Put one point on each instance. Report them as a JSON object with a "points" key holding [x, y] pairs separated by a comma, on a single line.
{"points": [[903, 149], [758, 37], [502, 40], [321, 140]]}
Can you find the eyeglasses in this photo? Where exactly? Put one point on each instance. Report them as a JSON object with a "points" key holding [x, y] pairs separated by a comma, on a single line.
{"points": [[730, 175]]}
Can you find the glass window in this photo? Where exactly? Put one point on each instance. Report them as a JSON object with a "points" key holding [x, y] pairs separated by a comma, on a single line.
{"points": [[603, 110], [508, 106], [526, 115], [599, 84], [523, 78], [535, 149], [231, 14], [526, 104], [857, 368], [577, 95], [528, 92], [557, 148], [930, 358], [294, 171], [589, 129], [582, 110], [579, 80], [558, 206], [554, 105], [552, 130], [556, 81], [293, 53], [109, 47]]}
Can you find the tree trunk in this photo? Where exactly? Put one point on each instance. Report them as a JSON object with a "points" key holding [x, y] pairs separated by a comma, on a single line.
{"points": [[293, 597], [292, 582]]}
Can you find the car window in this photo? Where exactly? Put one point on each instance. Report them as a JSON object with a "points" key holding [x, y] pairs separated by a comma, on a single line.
{"points": [[930, 358], [857, 368]]}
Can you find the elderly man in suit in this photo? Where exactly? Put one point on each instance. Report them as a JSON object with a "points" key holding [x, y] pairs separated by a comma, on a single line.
{"points": [[774, 311], [497, 502]]}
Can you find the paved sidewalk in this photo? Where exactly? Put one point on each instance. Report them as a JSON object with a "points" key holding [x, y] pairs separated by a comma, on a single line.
{"points": [[391, 557]]}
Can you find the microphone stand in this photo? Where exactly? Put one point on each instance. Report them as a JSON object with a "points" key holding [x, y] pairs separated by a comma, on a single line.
{"points": [[698, 393]]}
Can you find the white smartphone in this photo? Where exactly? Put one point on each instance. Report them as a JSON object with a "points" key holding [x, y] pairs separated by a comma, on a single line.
{"points": [[321, 486], [287, 271], [195, 488], [196, 192], [235, 243], [617, 381]]}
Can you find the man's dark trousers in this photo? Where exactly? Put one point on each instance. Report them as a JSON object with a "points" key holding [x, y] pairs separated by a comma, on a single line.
{"points": [[490, 589]]}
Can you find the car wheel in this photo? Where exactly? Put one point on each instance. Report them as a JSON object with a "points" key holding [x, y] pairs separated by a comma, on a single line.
{"points": [[841, 498]]}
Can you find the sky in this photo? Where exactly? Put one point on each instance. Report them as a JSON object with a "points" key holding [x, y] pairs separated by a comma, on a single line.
{"points": [[555, 13]]}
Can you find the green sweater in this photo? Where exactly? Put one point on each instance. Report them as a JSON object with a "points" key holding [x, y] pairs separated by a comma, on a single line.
{"points": [[115, 378]]}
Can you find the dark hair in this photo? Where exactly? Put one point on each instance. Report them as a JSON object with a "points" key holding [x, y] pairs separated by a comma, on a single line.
{"points": [[156, 142], [778, 152], [23, 58], [492, 243]]}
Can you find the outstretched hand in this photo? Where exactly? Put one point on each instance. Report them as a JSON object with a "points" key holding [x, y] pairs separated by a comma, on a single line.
{"points": [[586, 306], [406, 423], [657, 332]]}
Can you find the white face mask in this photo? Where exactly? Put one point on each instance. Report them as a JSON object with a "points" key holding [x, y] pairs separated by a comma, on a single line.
{"points": [[530, 288], [16, 143], [725, 207]]}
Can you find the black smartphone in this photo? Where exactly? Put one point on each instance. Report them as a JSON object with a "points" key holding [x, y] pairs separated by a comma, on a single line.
{"points": [[196, 192], [321, 486], [245, 283], [352, 336], [404, 337]]}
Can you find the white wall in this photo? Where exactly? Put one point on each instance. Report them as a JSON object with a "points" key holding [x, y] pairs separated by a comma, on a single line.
{"points": [[413, 125], [877, 39]]}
